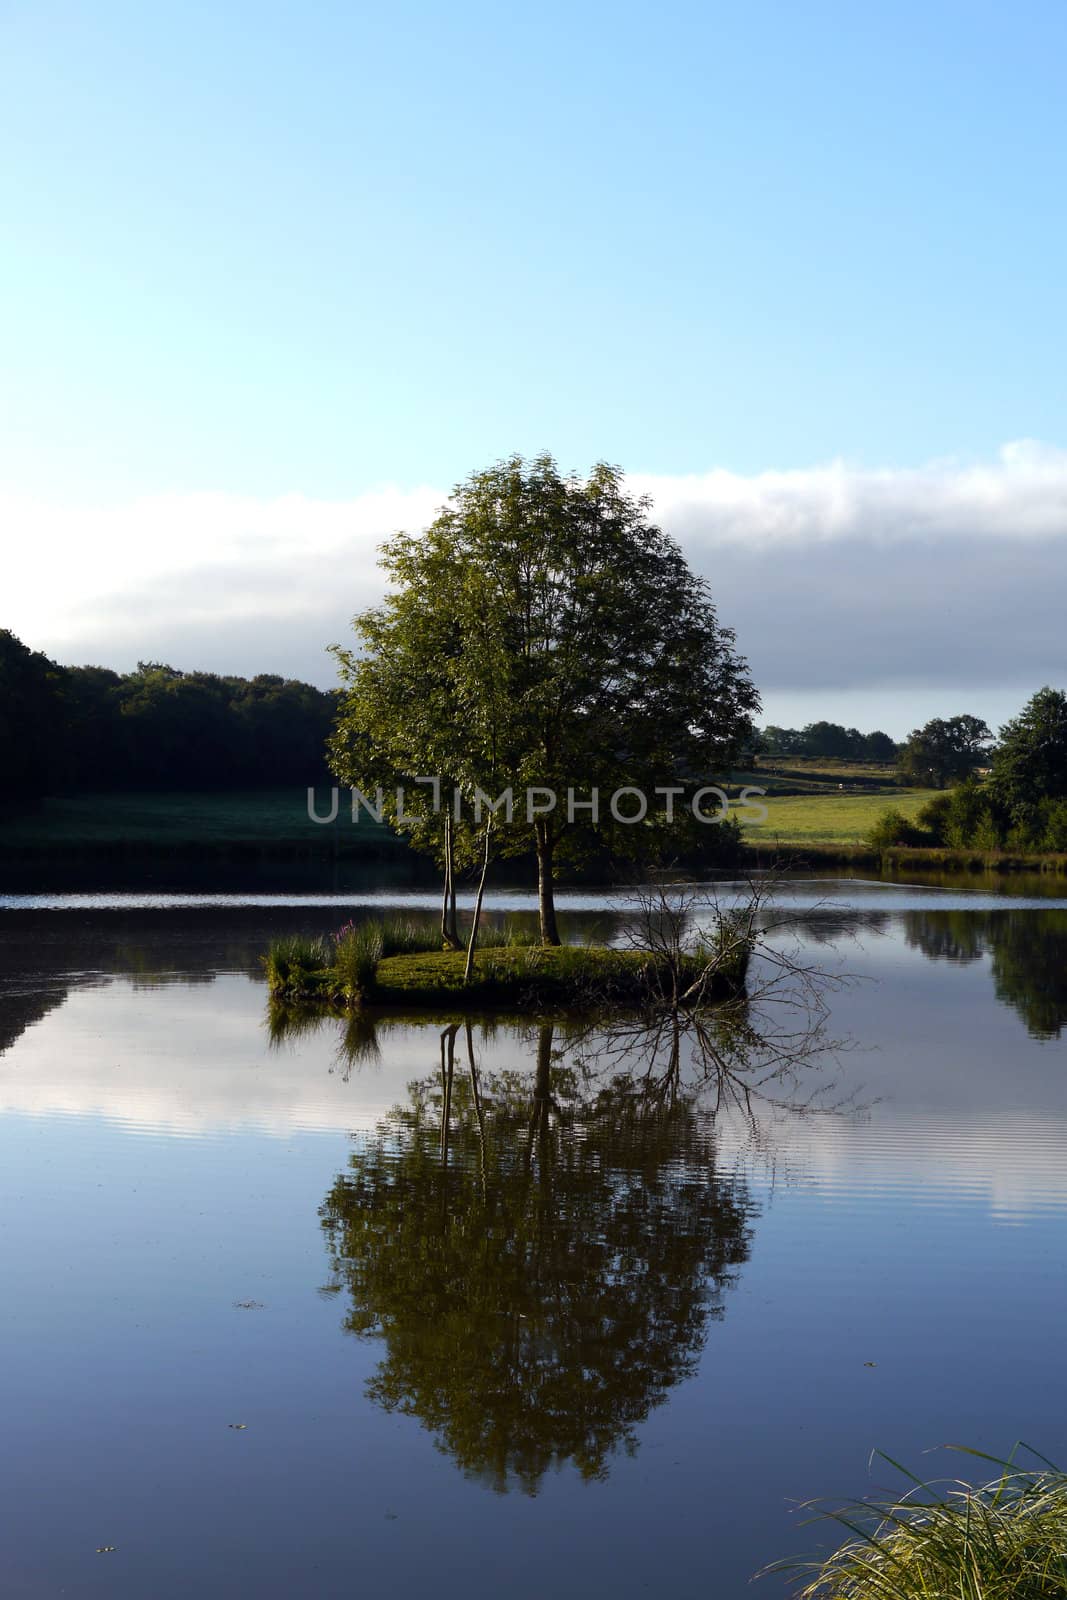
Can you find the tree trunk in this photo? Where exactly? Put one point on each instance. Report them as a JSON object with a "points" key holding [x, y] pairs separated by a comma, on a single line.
{"points": [[472, 942], [546, 891]]}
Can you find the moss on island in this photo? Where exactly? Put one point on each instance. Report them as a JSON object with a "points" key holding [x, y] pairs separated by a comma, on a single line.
{"points": [[358, 968]]}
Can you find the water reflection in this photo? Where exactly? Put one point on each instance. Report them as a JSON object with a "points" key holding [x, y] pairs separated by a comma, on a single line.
{"points": [[1027, 951], [541, 1267]]}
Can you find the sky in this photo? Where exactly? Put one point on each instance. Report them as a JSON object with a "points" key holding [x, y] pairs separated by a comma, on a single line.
{"points": [[275, 277]]}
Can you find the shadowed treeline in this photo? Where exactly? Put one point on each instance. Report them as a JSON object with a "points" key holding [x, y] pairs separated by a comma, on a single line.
{"points": [[64, 729]]}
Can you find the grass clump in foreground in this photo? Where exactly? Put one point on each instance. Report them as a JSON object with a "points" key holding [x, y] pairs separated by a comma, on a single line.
{"points": [[1004, 1541]]}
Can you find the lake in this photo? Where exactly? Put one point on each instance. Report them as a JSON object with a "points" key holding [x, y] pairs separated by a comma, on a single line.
{"points": [[509, 1309]]}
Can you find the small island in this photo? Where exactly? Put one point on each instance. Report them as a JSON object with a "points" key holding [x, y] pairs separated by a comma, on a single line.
{"points": [[399, 964]]}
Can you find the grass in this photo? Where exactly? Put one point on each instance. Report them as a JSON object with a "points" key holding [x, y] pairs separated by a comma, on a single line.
{"points": [[391, 965], [818, 775], [838, 818], [293, 961], [1004, 1541], [263, 819]]}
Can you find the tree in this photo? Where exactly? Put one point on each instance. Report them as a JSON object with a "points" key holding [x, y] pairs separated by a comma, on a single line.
{"points": [[945, 751], [31, 715], [544, 634], [401, 710], [965, 817], [828, 739], [1030, 765], [878, 746]]}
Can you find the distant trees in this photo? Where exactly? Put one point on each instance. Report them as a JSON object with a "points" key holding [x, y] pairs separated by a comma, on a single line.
{"points": [[30, 720], [1023, 804], [1030, 765], [89, 728], [829, 739], [945, 751], [543, 635]]}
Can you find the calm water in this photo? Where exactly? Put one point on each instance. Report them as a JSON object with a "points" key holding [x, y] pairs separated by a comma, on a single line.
{"points": [[272, 1324]]}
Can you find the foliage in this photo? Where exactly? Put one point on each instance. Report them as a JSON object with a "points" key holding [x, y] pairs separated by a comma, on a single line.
{"points": [[293, 962], [945, 751], [1006, 1540], [345, 964], [1054, 832], [1030, 765], [829, 739], [1018, 809], [521, 978], [356, 953], [965, 817], [543, 634], [892, 827], [88, 728], [31, 718]]}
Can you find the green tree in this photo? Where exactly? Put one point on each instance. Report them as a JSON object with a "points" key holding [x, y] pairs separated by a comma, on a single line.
{"points": [[1030, 764], [401, 707], [544, 634], [539, 1271], [31, 719], [945, 751], [965, 817], [878, 746]]}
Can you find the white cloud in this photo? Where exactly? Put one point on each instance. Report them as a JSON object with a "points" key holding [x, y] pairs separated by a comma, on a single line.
{"points": [[1022, 495], [839, 579]]}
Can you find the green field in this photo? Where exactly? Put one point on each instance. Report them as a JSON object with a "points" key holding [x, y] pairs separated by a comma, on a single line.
{"points": [[831, 818], [272, 819], [257, 817], [817, 774]]}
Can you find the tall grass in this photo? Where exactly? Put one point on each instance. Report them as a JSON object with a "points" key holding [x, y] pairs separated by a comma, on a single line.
{"points": [[407, 936], [511, 934], [357, 951], [289, 961], [359, 946], [1004, 1541]]}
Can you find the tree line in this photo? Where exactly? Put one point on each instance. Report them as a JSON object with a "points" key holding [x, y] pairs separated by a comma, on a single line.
{"points": [[1007, 796], [91, 729], [826, 739]]}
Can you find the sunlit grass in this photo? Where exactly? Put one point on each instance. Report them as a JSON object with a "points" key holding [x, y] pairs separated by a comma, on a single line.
{"points": [[830, 818], [1006, 1540]]}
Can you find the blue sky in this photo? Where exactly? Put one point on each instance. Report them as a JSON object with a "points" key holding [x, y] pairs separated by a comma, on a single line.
{"points": [[269, 250]]}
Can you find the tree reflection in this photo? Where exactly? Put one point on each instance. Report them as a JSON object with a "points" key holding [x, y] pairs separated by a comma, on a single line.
{"points": [[540, 1262], [1027, 951]]}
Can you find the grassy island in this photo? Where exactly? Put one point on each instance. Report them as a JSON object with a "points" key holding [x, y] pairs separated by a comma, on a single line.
{"points": [[401, 965]]}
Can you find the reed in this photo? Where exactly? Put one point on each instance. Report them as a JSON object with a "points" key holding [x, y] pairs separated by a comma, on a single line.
{"points": [[1006, 1540], [292, 960]]}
